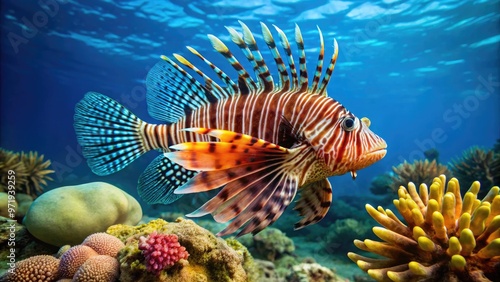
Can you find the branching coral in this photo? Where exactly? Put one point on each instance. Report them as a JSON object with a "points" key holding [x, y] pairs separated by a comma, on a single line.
{"points": [[445, 238], [419, 172], [477, 164], [30, 170]]}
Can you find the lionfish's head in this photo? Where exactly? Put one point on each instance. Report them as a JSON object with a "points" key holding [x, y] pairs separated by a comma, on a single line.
{"points": [[349, 145]]}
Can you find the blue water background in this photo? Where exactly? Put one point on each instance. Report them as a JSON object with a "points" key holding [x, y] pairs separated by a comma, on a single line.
{"points": [[425, 72]]}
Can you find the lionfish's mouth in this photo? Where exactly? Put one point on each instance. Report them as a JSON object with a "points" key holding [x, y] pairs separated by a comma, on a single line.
{"points": [[378, 152]]}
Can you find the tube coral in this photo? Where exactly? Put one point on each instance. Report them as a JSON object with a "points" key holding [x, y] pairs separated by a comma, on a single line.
{"points": [[445, 238]]}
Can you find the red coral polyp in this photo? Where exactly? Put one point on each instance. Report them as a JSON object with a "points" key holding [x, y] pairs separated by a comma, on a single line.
{"points": [[161, 251]]}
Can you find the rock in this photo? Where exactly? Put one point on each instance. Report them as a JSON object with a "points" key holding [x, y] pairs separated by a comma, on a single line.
{"points": [[66, 215]]}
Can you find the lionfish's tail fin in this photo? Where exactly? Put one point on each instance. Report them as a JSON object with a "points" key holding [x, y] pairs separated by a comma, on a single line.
{"points": [[258, 177], [110, 135]]}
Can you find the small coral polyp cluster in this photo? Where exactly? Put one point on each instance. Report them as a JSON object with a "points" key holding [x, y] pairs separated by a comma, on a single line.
{"points": [[161, 251], [445, 238]]}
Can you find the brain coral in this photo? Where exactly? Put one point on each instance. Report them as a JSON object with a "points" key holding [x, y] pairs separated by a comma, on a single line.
{"points": [[104, 244], [41, 268], [100, 268], [445, 238], [73, 258]]}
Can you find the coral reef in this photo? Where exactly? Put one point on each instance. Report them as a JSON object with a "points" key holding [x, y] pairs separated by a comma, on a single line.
{"points": [[30, 169], [104, 244], [210, 258], [340, 234], [269, 244], [445, 238], [309, 272], [496, 147], [432, 154], [419, 172], [100, 268], [68, 214], [41, 268], [268, 271], [477, 164], [382, 184], [161, 251]]}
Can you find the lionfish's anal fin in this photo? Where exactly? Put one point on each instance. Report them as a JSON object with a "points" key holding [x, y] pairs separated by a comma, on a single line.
{"points": [[258, 178], [160, 179], [315, 200]]}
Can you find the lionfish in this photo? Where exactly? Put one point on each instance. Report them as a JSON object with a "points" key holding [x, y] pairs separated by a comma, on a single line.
{"points": [[259, 140]]}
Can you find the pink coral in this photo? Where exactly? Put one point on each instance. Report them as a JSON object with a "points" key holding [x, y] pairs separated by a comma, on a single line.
{"points": [[104, 244], [161, 250]]}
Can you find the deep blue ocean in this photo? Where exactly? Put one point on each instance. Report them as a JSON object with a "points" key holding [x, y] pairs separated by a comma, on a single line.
{"points": [[426, 73]]}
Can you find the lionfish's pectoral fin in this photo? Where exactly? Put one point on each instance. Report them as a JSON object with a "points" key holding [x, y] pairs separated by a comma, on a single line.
{"points": [[314, 202], [258, 182]]}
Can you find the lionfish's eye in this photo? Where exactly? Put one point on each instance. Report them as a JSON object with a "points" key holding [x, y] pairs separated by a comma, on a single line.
{"points": [[349, 123]]}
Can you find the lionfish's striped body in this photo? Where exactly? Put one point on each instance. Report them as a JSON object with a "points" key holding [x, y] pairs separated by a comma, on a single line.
{"points": [[259, 140]]}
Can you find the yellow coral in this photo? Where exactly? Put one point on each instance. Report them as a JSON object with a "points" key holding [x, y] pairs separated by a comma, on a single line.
{"points": [[30, 169], [445, 237], [421, 171]]}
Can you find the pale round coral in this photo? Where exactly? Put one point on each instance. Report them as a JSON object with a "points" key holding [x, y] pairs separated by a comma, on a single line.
{"points": [[41, 268], [73, 258], [100, 268], [104, 244]]}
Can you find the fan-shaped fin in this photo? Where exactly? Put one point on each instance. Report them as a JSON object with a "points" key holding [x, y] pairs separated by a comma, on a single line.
{"points": [[315, 200]]}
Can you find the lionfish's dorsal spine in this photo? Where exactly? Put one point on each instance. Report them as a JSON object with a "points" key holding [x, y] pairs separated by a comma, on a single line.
{"points": [[249, 47], [283, 73], [329, 71], [245, 81], [291, 78], [291, 64], [215, 92], [319, 65], [232, 87], [303, 82]]}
